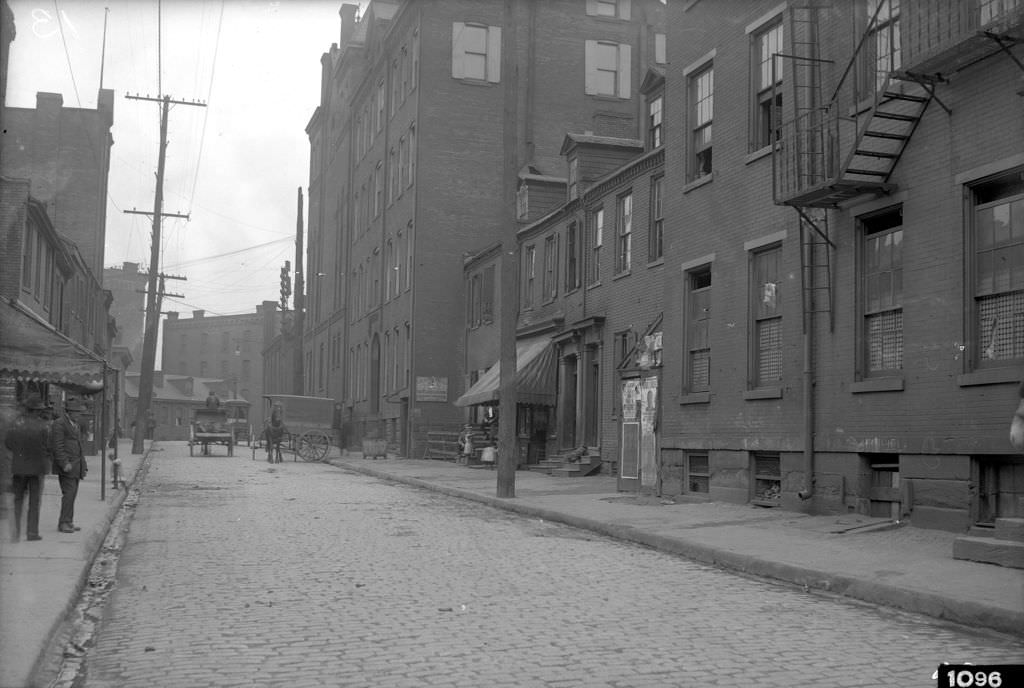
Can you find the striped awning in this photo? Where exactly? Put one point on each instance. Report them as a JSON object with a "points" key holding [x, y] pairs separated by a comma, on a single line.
{"points": [[31, 350], [535, 376]]}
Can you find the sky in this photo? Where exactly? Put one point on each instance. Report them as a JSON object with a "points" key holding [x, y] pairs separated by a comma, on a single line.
{"points": [[234, 166]]}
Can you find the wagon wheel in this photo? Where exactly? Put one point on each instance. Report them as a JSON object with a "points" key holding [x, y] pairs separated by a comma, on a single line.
{"points": [[312, 446]]}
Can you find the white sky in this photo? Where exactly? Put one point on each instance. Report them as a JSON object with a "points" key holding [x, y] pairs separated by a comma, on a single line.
{"points": [[260, 77]]}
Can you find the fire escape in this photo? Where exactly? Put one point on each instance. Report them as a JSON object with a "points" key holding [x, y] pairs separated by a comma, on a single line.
{"points": [[846, 135]]}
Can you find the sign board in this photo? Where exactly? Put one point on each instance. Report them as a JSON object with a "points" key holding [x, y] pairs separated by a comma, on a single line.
{"points": [[431, 389]]}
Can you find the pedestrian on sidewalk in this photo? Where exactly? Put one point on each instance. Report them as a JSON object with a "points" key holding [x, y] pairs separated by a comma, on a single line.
{"points": [[29, 442], [68, 461]]}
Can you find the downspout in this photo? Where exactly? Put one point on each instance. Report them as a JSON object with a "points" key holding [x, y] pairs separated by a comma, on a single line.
{"points": [[807, 251]]}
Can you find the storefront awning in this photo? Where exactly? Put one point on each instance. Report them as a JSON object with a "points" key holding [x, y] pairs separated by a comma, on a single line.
{"points": [[33, 351], [535, 376]]}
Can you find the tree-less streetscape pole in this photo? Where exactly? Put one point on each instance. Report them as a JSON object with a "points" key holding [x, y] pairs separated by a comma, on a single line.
{"points": [[152, 292], [508, 451]]}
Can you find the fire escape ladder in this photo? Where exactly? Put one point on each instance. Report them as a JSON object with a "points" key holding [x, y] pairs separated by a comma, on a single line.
{"points": [[886, 130], [816, 248]]}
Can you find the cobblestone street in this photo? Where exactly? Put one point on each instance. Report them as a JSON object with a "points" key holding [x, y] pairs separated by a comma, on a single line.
{"points": [[236, 572]]}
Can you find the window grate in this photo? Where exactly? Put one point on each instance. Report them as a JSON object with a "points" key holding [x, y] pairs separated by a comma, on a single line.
{"points": [[1001, 322], [885, 341], [769, 350], [700, 370]]}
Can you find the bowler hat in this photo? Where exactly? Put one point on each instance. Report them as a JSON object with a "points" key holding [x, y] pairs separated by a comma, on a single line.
{"points": [[34, 402]]}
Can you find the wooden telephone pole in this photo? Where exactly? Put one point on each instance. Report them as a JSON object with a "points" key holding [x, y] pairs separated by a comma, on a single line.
{"points": [[153, 293]]}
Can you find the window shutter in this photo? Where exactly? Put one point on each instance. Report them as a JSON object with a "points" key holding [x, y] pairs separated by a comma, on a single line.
{"points": [[624, 9], [590, 85], [458, 49], [659, 48], [592, 8], [494, 54], [624, 70]]}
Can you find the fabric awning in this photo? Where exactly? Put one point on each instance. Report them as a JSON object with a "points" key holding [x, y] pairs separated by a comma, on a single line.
{"points": [[33, 351], [535, 376]]}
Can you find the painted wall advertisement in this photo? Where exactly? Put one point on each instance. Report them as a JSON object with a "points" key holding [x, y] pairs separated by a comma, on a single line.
{"points": [[431, 389]]}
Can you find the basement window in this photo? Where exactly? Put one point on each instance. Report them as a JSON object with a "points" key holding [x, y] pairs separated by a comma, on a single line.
{"points": [[767, 472], [698, 475]]}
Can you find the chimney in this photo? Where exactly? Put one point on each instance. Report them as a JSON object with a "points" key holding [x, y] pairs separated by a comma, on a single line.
{"points": [[172, 315], [130, 268], [198, 314], [348, 14]]}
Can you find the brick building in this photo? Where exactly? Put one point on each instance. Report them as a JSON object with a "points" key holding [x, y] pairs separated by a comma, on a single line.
{"points": [[127, 286], [223, 347], [846, 272], [430, 115], [175, 399]]}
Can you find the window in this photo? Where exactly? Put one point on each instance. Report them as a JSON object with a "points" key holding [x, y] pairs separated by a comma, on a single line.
{"points": [[202, 368], [411, 158], [392, 175], [698, 322], [660, 53], [656, 232], [37, 288], [654, 122], [487, 298], [522, 201], [607, 69], [204, 341], [882, 293], [767, 78], [550, 285], [378, 188], [624, 229], [991, 10], [403, 156], [389, 257], [473, 301], [767, 471], [618, 9], [997, 237], [596, 239], [572, 256], [476, 52], [396, 84], [882, 53], [698, 474], [378, 118], [415, 74], [26, 262], [225, 340], [408, 255], [529, 267], [622, 347], [574, 177], [702, 87], [766, 325]]}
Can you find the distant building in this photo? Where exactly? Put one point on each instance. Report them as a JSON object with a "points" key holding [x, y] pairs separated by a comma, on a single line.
{"points": [[414, 165], [175, 398], [223, 347], [127, 286]]}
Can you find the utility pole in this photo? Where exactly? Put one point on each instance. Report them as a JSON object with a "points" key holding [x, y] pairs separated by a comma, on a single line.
{"points": [[508, 449], [152, 296], [299, 302]]}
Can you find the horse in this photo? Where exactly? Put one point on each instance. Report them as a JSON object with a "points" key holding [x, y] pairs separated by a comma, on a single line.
{"points": [[275, 432]]}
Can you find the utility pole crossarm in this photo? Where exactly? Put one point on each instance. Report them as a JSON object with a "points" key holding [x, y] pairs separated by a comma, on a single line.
{"points": [[133, 211], [165, 99]]}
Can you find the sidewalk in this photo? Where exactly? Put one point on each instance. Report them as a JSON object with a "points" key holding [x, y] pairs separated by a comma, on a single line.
{"points": [[851, 555], [40, 582]]}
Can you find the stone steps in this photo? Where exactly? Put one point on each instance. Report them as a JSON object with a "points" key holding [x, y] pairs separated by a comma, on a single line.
{"points": [[1002, 545]]}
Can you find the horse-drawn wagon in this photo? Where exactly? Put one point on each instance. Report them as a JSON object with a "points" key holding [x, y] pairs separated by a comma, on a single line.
{"points": [[302, 425], [209, 427]]}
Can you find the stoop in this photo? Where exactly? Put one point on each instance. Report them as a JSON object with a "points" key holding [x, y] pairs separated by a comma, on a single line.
{"points": [[1004, 547]]}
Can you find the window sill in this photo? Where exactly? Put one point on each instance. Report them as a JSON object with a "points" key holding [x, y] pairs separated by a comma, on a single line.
{"points": [[595, 285], [657, 262], [695, 398], [697, 183], [608, 97], [881, 384], [989, 376], [763, 393], [620, 275], [758, 154], [475, 82]]}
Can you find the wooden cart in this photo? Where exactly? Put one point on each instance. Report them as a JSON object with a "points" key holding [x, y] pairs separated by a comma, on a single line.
{"points": [[309, 424], [210, 427]]}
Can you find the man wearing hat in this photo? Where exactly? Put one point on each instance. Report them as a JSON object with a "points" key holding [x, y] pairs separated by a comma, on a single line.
{"points": [[28, 440], [68, 461]]}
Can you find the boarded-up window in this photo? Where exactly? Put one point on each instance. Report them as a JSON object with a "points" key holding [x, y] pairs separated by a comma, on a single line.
{"points": [[607, 69]]}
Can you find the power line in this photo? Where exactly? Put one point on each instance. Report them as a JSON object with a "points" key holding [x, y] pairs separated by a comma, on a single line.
{"points": [[196, 261], [206, 114], [67, 55]]}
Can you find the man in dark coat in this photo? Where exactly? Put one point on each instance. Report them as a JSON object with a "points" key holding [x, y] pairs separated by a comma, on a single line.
{"points": [[29, 442], [68, 462], [1017, 423]]}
